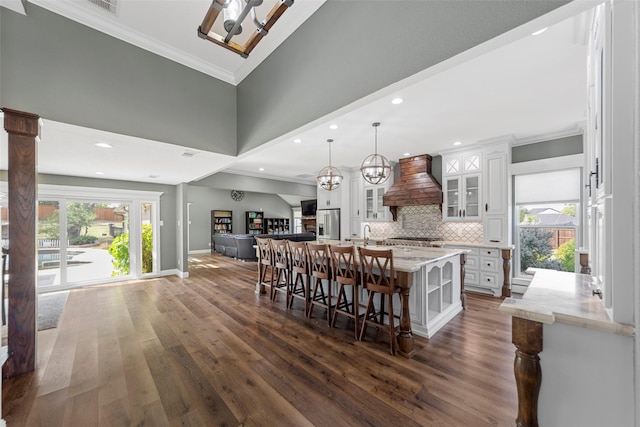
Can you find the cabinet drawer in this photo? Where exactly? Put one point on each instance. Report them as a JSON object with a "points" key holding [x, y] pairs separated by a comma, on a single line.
{"points": [[471, 277], [488, 280], [490, 252], [472, 263], [489, 264]]}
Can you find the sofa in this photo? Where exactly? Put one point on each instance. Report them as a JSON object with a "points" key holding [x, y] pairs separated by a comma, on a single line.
{"points": [[241, 246]]}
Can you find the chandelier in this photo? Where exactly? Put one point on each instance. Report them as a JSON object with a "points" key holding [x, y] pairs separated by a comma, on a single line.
{"points": [[375, 168], [329, 178], [234, 14]]}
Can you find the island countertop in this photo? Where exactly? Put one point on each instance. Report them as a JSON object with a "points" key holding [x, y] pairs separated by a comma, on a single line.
{"points": [[555, 296], [407, 258]]}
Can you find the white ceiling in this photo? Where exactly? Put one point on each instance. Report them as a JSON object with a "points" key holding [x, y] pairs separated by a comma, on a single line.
{"points": [[530, 87]]}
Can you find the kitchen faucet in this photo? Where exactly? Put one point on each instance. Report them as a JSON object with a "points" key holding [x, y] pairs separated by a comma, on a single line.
{"points": [[364, 234]]}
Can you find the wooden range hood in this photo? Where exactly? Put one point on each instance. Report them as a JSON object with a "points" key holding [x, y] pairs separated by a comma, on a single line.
{"points": [[416, 186]]}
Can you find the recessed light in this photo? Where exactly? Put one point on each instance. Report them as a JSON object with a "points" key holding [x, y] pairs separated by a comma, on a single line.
{"points": [[99, 173], [297, 140], [333, 127], [154, 176], [103, 145], [406, 154], [188, 154], [457, 143], [536, 33], [261, 169], [396, 101]]}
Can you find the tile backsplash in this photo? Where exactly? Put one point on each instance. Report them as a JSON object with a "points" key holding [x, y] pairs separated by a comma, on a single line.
{"points": [[426, 221]]}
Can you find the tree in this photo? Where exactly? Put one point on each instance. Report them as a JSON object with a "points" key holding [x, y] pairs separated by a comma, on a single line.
{"points": [[536, 249], [79, 216], [566, 255], [569, 210]]}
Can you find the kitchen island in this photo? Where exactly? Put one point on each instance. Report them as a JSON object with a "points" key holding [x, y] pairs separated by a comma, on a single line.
{"points": [[430, 290]]}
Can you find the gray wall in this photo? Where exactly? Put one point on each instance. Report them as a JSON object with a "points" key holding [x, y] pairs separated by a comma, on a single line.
{"points": [[203, 200], [547, 149], [167, 207], [231, 181], [350, 49], [64, 71]]}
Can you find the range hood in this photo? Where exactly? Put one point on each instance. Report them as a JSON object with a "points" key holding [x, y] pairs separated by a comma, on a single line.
{"points": [[416, 186]]}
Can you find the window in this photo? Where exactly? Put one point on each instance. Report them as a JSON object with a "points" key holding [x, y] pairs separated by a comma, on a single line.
{"points": [[547, 220]]}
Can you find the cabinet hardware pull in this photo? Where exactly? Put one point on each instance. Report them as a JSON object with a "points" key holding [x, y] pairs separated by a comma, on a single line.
{"points": [[486, 207], [495, 241], [464, 212]]}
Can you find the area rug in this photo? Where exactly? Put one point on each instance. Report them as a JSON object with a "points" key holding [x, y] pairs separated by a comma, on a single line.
{"points": [[50, 306]]}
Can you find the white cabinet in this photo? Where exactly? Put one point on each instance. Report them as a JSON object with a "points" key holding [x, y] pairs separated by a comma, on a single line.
{"points": [[462, 198], [462, 187], [329, 199], [483, 270], [496, 199], [374, 210]]}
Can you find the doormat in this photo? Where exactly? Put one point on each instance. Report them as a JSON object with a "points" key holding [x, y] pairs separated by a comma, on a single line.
{"points": [[50, 306]]}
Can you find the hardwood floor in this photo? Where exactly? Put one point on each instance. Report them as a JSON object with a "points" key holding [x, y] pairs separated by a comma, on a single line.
{"points": [[208, 351]]}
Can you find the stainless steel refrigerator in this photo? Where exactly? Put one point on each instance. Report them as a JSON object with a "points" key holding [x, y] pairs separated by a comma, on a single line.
{"points": [[328, 224]]}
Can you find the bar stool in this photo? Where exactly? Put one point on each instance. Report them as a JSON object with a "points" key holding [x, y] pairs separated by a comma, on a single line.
{"points": [[280, 253], [265, 264], [345, 273], [299, 267], [377, 277], [319, 269]]}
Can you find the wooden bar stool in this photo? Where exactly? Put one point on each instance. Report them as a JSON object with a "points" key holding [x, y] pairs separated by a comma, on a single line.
{"points": [[377, 277], [319, 269], [299, 267], [345, 273], [280, 253], [265, 265]]}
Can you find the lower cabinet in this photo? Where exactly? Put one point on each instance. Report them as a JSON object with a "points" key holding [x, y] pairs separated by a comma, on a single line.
{"points": [[483, 270]]}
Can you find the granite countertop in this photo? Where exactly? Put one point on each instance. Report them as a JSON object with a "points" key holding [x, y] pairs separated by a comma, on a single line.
{"points": [[444, 243], [407, 258], [555, 296]]}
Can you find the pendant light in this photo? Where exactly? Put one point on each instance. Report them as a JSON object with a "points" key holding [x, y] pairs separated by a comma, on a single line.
{"points": [[375, 168], [329, 178]]}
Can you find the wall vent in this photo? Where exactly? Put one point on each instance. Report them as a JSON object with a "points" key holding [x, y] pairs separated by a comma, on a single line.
{"points": [[108, 5]]}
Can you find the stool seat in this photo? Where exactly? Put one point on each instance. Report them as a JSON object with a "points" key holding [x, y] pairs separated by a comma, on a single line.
{"points": [[319, 270], [345, 274], [299, 270], [377, 277], [280, 253]]}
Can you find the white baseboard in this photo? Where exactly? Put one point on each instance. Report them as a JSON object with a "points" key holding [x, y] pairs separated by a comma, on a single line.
{"points": [[174, 272], [200, 251]]}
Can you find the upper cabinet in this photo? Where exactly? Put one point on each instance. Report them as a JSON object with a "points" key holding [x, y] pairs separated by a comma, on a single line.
{"points": [[374, 210], [329, 199], [462, 187]]}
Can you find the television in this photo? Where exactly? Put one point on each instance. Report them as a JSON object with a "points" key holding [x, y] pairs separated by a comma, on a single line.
{"points": [[309, 207]]}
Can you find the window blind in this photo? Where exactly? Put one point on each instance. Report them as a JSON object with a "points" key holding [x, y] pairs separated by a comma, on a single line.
{"points": [[557, 186]]}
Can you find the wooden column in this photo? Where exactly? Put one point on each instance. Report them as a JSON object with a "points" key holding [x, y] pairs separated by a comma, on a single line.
{"points": [[506, 271], [527, 337], [463, 296], [406, 348], [22, 129]]}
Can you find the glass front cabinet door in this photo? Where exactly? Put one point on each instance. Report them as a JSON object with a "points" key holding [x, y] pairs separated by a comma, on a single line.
{"points": [[374, 209], [462, 198]]}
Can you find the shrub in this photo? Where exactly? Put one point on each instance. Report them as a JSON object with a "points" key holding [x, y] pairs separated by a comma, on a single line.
{"points": [[567, 256], [119, 250], [83, 240]]}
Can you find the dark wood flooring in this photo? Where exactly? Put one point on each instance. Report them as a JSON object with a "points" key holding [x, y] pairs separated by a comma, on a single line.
{"points": [[208, 351]]}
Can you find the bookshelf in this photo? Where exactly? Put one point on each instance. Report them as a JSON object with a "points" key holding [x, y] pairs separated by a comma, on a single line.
{"points": [[276, 226], [254, 222], [221, 222]]}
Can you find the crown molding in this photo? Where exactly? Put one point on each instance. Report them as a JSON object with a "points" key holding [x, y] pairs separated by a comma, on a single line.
{"points": [[576, 129], [107, 25]]}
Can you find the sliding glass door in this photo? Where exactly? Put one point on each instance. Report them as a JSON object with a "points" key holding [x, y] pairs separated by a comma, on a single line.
{"points": [[86, 241]]}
